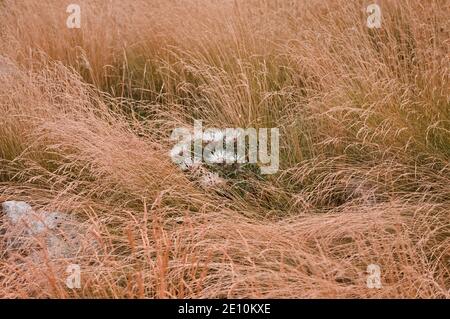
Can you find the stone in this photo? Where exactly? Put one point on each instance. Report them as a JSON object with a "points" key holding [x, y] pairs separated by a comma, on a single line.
{"points": [[20, 214], [62, 234], [16, 211]]}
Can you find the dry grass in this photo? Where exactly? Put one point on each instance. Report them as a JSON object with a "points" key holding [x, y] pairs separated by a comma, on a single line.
{"points": [[364, 116]]}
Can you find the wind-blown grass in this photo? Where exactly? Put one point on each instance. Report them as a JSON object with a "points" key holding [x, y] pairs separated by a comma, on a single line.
{"points": [[364, 117]]}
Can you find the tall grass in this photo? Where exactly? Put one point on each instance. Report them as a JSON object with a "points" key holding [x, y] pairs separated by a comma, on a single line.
{"points": [[364, 116]]}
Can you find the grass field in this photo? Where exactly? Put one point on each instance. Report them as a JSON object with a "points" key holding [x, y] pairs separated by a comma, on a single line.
{"points": [[364, 119]]}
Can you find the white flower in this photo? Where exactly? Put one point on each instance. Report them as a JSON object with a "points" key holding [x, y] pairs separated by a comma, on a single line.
{"points": [[186, 164], [176, 151], [218, 156], [223, 156], [239, 158]]}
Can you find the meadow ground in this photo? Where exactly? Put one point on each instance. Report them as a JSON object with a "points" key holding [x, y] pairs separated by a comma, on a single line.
{"points": [[364, 119]]}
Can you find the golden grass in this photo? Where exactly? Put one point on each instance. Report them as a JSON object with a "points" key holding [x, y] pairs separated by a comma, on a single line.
{"points": [[364, 116]]}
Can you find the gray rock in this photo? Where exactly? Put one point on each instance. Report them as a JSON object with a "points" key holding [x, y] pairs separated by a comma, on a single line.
{"points": [[20, 214], [62, 233], [15, 211]]}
